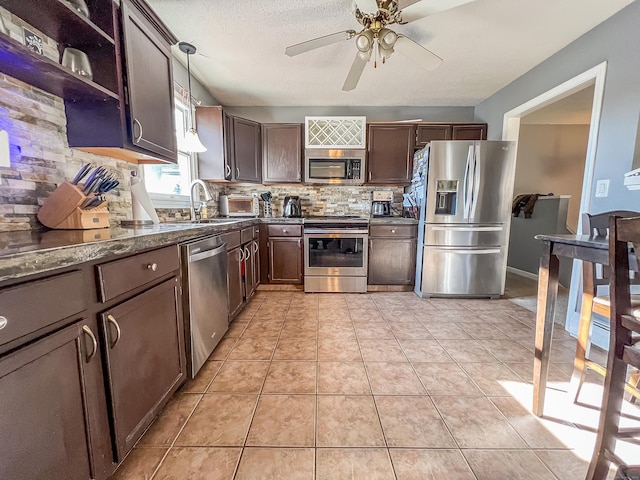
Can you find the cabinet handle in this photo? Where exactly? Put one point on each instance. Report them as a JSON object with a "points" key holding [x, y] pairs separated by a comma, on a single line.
{"points": [[299, 244], [247, 253], [255, 247], [369, 176], [393, 230], [241, 253], [94, 342], [3, 322], [227, 170], [284, 230], [237, 172], [137, 122], [111, 319], [152, 266]]}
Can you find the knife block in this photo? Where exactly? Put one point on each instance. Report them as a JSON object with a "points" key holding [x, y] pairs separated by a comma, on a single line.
{"points": [[62, 210]]}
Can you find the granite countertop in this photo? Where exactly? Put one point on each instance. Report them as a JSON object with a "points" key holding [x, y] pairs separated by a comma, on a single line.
{"points": [[29, 252]]}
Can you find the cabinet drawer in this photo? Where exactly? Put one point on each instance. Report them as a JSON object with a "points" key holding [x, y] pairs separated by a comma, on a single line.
{"points": [[29, 307], [285, 230], [246, 235], [121, 276], [400, 231], [232, 239]]}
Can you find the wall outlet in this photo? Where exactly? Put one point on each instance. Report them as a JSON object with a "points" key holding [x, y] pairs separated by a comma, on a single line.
{"points": [[602, 188], [5, 157]]}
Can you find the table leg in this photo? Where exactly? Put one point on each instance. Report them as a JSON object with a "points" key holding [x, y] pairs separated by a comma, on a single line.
{"points": [[547, 296]]}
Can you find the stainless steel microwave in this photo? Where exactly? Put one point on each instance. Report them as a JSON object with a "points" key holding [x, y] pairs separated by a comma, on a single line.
{"points": [[334, 166]]}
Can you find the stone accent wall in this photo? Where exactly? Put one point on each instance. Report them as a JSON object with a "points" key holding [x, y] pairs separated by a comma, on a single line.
{"points": [[322, 200]]}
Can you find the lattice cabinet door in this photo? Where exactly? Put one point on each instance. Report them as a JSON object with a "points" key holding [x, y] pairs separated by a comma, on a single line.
{"points": [[335, 132]]}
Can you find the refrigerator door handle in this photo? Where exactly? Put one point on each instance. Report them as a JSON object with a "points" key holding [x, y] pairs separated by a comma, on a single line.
{"points": [[476, 184], [466, 229], [467, 184], [466, 251]]}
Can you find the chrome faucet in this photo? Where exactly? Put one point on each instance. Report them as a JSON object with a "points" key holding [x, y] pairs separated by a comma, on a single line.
{"points": [[195, 212]]}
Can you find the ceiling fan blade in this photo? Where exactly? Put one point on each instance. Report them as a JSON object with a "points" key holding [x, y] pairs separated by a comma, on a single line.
{"points": [[319, 42], [357, 67], [416, 52], [367, 6], [421, 9]]}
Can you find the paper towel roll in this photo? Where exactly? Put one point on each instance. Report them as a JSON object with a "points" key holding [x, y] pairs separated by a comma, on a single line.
{"points": [[141, 203]]}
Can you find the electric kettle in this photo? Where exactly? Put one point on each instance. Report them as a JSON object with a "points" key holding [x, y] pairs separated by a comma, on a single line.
{"points": [[292, 207]]}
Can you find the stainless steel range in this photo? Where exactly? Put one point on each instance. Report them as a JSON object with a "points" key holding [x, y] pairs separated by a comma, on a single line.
{"points": [[335, 254]]}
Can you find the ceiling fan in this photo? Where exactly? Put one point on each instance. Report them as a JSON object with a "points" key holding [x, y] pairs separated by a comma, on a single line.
{"points": [[376, 39]]}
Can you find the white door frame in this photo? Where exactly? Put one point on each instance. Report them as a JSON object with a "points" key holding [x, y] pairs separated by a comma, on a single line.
{"points": [[511, 131]]}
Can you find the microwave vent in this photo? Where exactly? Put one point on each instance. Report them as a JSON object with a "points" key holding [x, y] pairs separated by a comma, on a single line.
{"points": [[335, 132]]}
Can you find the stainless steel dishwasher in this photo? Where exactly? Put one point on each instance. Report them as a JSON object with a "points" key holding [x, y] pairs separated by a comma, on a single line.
{"points": [[205, 303]]}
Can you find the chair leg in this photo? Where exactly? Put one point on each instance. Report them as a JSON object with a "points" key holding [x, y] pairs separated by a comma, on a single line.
{"points": [[609, 418], [584, 327]]}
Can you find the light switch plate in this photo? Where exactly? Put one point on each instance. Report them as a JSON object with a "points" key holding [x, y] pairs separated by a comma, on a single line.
{"points": [[602, 188], [5, 157]]}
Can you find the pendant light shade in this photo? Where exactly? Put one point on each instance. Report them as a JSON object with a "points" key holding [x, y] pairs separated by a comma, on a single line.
{"points": [[192, 142]]}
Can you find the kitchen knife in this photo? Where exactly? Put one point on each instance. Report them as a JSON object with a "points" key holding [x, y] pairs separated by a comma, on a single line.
{"points": [[98, 171], [82, 173]]}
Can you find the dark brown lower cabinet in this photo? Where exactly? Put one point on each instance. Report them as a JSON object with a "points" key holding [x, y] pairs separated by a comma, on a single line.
{"points": [[145, 359], [392, 254], [53, 417], [285, 260], [234, 278]]}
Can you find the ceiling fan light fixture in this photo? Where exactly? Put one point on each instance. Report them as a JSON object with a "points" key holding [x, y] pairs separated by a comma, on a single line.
{"points": [[387, 38], [191, 141], [364, 41]]}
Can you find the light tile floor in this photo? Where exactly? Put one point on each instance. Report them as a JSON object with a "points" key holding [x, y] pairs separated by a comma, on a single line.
{"points": [[375, 386]]}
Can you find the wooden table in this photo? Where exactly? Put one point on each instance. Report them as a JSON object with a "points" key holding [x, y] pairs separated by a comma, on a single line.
{"points": [[594, 249]]}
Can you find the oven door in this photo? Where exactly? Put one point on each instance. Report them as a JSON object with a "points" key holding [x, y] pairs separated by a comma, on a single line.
{"points": [[335, 252]]}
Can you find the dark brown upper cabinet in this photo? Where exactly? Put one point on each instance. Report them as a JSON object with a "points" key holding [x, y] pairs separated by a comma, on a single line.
{"points": [[390, 154], [215, 130], [233, 147], [246, 150], [149, 74], [126, 110], [469, 132], [281, 153], [429, 133]]}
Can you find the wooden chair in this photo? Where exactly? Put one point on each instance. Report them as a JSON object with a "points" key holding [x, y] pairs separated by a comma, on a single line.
{"points": [[625, 321], [593, 277]]}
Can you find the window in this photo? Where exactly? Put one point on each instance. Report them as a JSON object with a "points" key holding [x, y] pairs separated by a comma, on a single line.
{"points": [[168, 184]]}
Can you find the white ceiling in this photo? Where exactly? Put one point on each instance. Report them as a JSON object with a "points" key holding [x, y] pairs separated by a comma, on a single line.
{"points": [[485, 44]]}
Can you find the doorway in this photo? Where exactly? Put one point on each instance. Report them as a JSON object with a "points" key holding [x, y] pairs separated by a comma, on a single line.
{"points": [[516, 121]]}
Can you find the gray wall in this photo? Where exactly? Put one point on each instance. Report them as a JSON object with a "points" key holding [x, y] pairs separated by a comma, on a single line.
{"points": [[615, 41], [551, 159], [373, 114], [180, 76]]}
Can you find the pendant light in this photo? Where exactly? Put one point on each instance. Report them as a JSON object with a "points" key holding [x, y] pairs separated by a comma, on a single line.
{"points": [[192, 142]]}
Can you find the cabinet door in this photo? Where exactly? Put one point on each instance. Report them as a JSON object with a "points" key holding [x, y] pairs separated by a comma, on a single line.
{"points": [[392, 261], [469, 132], [256, 262], [285, 260], [390, 154], [234, 278], [53, 415], [281, 153], [145, 359], [213, 130], [249, 271], [246, 150], [428, 133], [150, 85]]}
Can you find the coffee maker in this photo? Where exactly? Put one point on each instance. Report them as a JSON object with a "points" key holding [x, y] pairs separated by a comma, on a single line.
{"points": [[292, 207], [381, 205]]}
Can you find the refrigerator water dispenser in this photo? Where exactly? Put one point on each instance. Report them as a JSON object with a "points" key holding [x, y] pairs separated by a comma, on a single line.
{"points": [[446, 197]]}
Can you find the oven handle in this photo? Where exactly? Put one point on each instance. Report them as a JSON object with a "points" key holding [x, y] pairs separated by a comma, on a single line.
{"points": [[334, 231]]}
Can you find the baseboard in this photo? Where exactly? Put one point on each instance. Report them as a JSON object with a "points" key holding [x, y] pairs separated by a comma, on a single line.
{"points": [[522, 273], [389, 288], [265, 287]]}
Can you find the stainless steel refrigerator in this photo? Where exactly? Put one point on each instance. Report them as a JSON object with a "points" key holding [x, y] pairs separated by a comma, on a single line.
{"points": [[465, 212]]}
